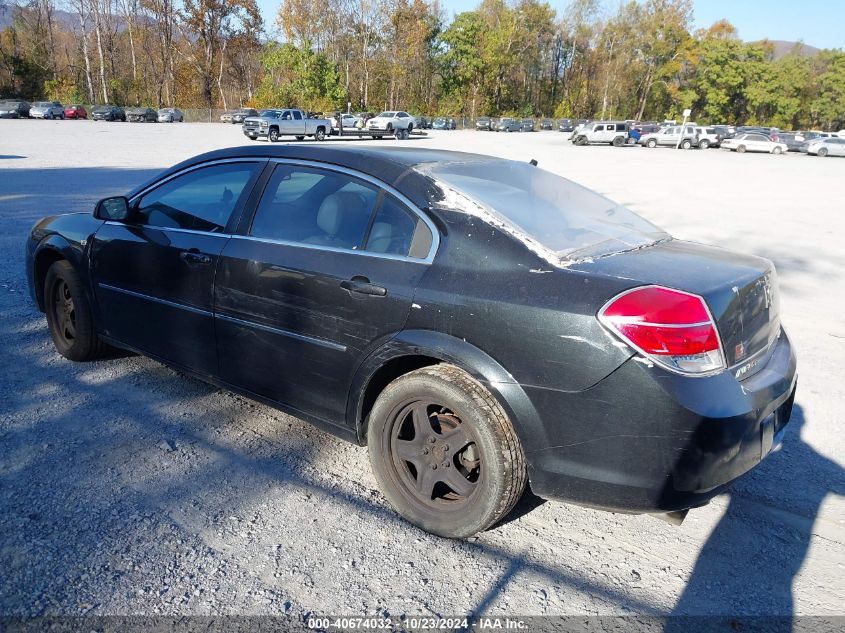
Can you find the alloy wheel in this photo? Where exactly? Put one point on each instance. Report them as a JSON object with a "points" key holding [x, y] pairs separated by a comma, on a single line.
{"points": [[434, 455]]}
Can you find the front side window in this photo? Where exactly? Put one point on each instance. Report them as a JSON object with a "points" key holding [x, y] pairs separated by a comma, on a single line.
{"points": [[200, 200]]}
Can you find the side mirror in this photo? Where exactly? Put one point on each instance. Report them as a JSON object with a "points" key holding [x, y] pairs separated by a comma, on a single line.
{"points": [[115, 208]]}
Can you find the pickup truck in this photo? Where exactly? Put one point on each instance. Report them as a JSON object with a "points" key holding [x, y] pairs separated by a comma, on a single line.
{"points": [[285, 122]]}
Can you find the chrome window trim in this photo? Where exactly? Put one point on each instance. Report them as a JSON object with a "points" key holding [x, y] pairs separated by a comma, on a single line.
{"points": [[158, 183], [435, 234], [172, 229]]}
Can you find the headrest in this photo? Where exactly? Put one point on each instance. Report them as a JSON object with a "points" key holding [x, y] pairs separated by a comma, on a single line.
{"points": [[331, 212], [380, 237]]}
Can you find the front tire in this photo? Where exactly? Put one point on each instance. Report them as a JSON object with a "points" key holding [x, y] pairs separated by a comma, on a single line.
{"points": [[777, 151], [444, 452], [740, 149], [273, 135], [687, 144], [822, 152], [69, 315]]}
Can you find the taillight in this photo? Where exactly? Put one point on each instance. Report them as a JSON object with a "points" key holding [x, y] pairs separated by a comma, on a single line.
{"points": [[672, 328]]}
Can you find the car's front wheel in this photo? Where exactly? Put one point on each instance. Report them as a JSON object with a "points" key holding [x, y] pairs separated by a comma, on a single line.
{"points": [[444, 452], [740, 149], [69, 315], [822, 152], [273, 135], [687, 144]]}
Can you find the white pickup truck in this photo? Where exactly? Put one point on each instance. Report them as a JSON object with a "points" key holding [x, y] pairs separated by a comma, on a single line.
{"points": [[285, 122]]}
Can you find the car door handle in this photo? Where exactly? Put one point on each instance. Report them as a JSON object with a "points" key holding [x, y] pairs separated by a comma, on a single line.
{"points": [[362, 285], [194, 257]]}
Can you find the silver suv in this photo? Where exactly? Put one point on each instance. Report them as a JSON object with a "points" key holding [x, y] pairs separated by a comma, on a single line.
{"points": [[682, 136], [610, 132]]}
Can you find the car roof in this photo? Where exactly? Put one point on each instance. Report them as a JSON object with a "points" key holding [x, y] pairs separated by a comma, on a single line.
{"points": [[392, 165]]}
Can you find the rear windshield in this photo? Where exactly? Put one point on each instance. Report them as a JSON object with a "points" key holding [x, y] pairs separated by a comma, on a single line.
{"points": [[566, 219]]}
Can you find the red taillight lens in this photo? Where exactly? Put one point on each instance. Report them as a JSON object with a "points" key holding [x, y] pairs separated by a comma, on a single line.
{"points": [[670, 327]]}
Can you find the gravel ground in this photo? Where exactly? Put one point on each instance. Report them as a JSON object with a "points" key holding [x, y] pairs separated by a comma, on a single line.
{"points": [[127, 488]]}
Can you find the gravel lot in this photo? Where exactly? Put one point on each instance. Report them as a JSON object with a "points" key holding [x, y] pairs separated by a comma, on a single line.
{"points": [[126, 488]]}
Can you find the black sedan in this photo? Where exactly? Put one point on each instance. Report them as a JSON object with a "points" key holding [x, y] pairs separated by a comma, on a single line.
{"points": [[142, 115], [478, 323], [108, 113]]}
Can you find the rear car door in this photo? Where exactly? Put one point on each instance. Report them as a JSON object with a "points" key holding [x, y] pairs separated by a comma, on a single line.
{"points": [[323, 273], [153, 275]]}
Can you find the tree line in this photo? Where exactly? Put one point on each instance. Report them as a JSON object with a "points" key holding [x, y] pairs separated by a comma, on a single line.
{"points": [[640, 60]]}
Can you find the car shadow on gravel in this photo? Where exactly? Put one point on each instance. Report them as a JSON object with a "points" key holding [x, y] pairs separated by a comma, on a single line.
{"points": [[749, 562]]}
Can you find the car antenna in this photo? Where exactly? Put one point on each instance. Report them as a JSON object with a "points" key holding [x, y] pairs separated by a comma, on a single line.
{"points": [[533, 161]]}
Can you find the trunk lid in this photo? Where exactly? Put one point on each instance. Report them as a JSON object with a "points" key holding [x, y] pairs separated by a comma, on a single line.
{"points": [[740, 291]]}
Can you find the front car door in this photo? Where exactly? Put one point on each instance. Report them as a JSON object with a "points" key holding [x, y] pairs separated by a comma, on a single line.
{"points": [[153, 275], [323, 274]]}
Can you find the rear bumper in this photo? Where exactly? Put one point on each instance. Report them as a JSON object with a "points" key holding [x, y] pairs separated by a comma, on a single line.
{"points": [[644, 440]]}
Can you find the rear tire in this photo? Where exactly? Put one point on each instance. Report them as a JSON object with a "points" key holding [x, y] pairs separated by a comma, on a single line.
{"points": [[618, 141], [300, 138], [704, 144], [320, 134], [69, 315], [651, 143], [777, 151], [444, 452]]}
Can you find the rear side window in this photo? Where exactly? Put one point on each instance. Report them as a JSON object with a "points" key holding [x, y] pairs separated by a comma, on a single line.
{"points": [[312, 206], [200, 200]]}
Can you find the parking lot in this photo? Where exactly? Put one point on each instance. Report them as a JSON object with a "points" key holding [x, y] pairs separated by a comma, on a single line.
{"points": [[126, 488]]}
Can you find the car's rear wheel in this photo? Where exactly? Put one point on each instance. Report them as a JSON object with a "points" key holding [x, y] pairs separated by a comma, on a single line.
{"points": [[704, 144], [320, 134], [651, 143], [822, 152], [69, 315], [777, 150], [618, 141], [444, 452]]}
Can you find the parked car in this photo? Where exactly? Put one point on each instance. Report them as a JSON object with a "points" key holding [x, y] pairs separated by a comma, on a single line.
{"points": [[609, 132], [485, 123], [76, 112], [274, 124], [725, 131], [684, 137], [141, 115], [527, 125], [108, 113], [171, 115], [770, 132], [423, 123], [391, 121], [707, 137], [827, 147], [507, 124], [546, 124], [348, 120], [226, 117], [239, 116], [441, 123], [14, 109], [754, 142], [793, 142], [322, 281], [47, 110], [565, 125]]}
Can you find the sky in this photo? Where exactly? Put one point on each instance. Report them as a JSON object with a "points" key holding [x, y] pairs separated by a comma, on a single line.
{"points": [[819, 23]]}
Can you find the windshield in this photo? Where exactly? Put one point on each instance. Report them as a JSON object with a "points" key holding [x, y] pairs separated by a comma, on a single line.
{"points": [[563, 217]]}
